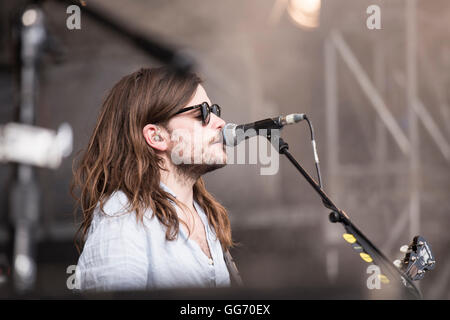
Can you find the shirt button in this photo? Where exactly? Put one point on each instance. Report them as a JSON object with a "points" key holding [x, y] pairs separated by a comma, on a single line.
{"points": [[210, 262]]}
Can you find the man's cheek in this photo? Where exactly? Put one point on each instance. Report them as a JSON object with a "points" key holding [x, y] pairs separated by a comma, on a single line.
{"points": [[181, 152], [177, 155]]}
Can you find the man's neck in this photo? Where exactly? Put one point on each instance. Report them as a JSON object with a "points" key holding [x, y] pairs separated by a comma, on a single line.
{"points": [[181, 185]]}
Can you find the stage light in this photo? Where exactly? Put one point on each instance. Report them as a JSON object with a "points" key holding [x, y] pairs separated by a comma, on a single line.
{"points": [[305, 13], [29, 17], [35, 146]]}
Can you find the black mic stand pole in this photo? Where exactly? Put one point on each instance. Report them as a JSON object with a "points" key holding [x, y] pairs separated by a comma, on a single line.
{"points": [[340, 216]]}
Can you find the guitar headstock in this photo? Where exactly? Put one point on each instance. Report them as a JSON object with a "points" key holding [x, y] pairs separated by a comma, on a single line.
{"points": [[418, 259]]}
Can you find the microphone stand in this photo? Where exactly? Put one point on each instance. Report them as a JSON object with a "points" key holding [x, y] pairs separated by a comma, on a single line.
{"points": [[340, 216]]}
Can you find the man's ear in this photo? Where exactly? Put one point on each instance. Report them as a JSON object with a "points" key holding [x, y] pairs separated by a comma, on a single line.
{"points": [[155, 137]]}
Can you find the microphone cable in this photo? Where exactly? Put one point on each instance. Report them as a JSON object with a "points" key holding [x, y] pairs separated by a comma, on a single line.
{"points": [[316, 156]]}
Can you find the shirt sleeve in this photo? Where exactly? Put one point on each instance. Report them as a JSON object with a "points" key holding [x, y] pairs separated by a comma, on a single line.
{"points": [[115, 255]]}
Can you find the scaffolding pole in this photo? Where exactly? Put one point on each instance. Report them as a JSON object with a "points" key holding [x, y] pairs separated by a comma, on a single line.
{"points": [[413, 132]]}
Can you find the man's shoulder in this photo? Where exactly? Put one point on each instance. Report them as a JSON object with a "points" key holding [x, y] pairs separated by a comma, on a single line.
{"points": [[116, 218], [118, 206]]}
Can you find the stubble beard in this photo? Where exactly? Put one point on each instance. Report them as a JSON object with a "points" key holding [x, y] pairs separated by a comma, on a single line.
{"points": [[193, 171]]}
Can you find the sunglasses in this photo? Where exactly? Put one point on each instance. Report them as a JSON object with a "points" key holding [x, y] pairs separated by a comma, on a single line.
{"points": [[205, 109]]}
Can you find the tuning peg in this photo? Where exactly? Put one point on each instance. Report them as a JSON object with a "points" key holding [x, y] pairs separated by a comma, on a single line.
{"points": [[430, 262], [398, 263], [420, 243], [404, 248]]}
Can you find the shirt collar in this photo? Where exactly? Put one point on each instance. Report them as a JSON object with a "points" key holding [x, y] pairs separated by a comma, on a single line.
{"points": [[167, 189]]}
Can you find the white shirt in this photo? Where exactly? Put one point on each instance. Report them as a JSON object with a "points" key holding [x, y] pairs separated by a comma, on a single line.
{"points": [[121, 253]]}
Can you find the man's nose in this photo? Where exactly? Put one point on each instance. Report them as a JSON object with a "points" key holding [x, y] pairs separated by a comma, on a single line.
{"points": [[216, 122]]}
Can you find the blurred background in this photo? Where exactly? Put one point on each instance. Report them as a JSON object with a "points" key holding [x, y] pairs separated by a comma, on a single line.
{"points": [[378, 100]]}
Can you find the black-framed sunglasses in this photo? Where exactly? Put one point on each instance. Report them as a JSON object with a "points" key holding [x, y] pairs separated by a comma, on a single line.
{"points": [[205, 109]]}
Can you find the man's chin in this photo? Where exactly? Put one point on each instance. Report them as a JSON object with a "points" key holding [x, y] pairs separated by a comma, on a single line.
{"points": [[198, 170], [212, 167], [205, 168]]}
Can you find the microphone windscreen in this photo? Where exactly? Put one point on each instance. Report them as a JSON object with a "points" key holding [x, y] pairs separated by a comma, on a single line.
{"points": [[229, 134]]}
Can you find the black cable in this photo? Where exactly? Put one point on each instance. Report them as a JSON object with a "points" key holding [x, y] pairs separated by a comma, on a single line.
{"points": [[316, 156]]}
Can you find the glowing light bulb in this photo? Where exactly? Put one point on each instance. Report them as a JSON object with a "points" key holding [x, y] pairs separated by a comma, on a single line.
{"points": [[29, 17], [305, 13]]}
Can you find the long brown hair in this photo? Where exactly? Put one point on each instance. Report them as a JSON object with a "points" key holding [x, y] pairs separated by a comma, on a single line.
{"points": [[118, 157]]}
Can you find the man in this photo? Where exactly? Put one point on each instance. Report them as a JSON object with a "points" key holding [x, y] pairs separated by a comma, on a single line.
{"points": [[148, 220]]}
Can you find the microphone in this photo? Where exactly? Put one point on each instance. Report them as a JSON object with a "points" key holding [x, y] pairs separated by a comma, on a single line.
{"points": [[230, 131]]}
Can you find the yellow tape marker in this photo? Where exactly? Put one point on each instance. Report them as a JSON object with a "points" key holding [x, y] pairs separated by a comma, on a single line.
{"points": [[366, 257], [349, 238], [383, 278]]}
